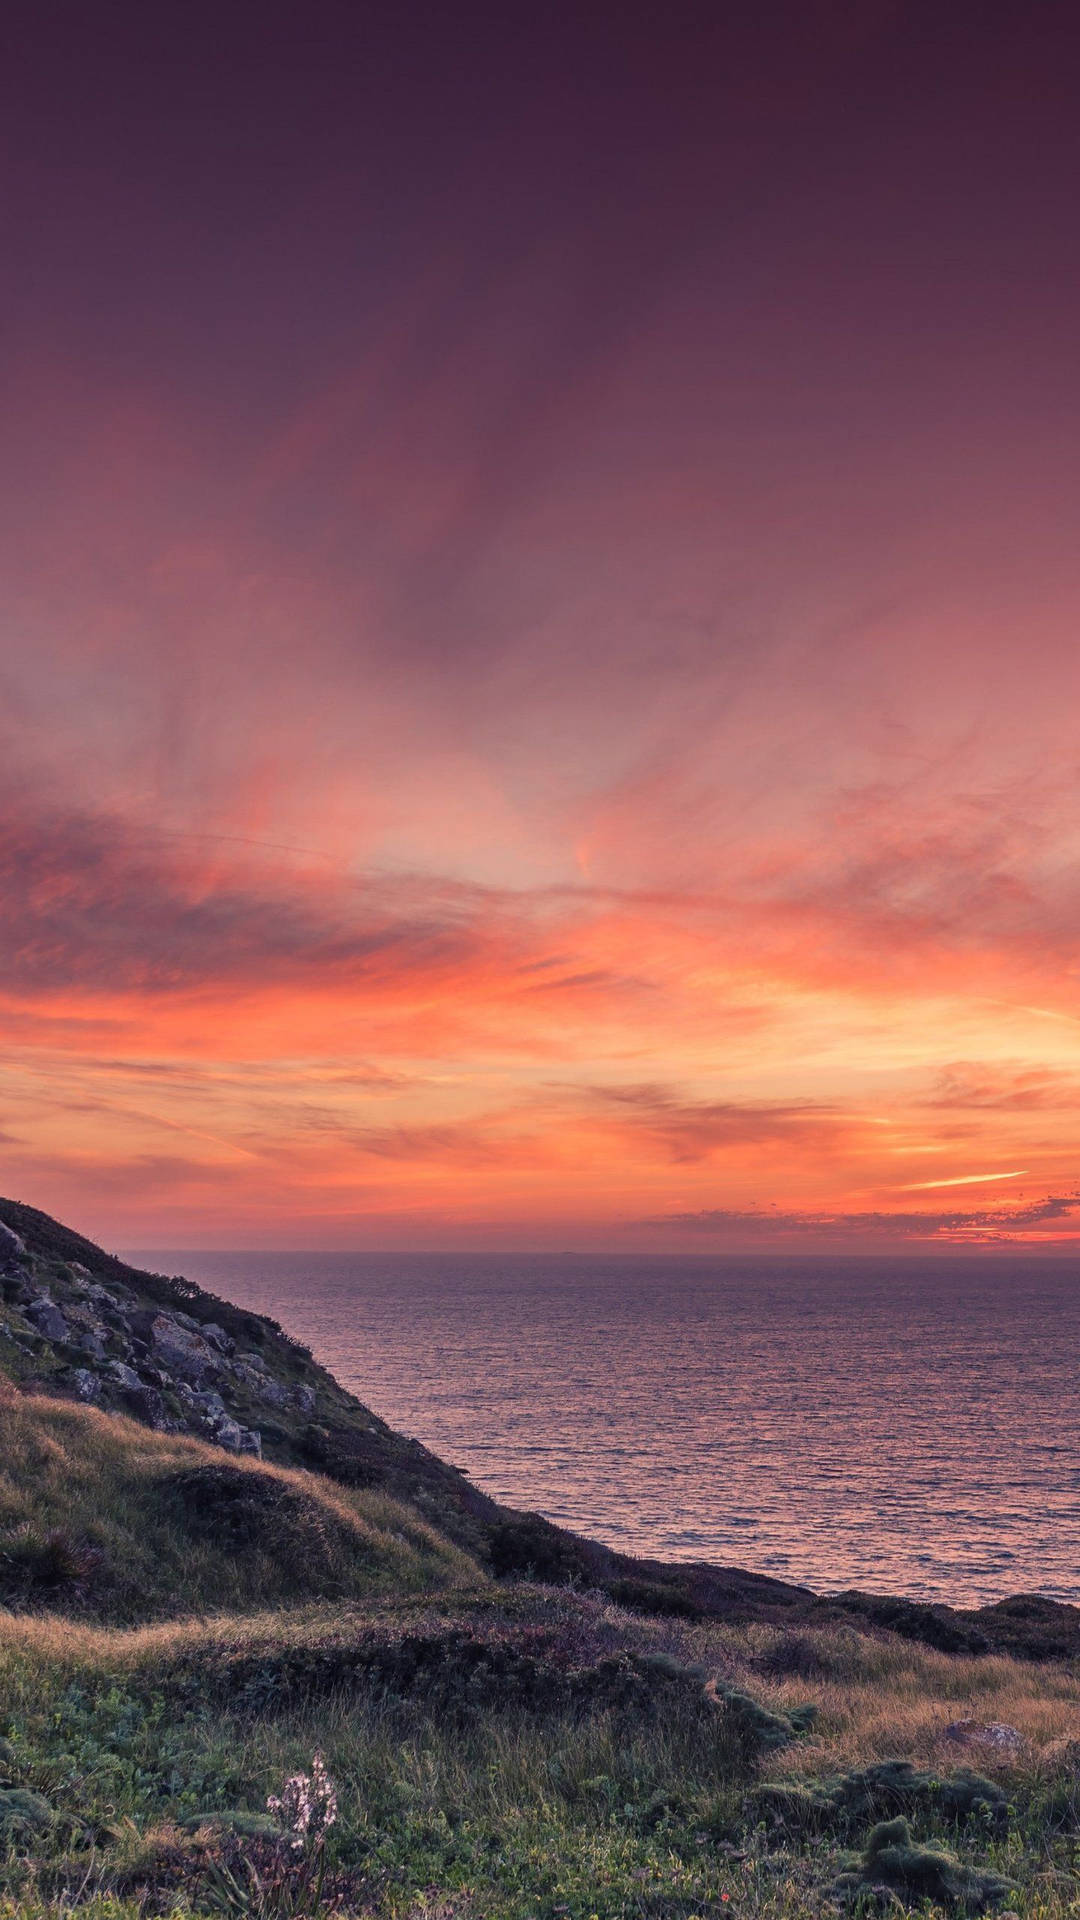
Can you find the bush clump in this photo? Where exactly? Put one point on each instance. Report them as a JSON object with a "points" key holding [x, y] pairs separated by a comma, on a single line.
{"points": [[894, 1786], [890, 1788], [40, 1566], [760, 1730], [894, 1863], [22, 1812]]}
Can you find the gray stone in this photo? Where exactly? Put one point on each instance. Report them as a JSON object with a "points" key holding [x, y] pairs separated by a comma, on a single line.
{"points": [[995, 1734], [86, 1384], [217, 1337], [261, 1384], [180, 1349], [46, 1318], [255, 1360], [304, 1399], [147, 1404], [122, 1375], [237, 1439], [93, 1344], [11, 1246]]}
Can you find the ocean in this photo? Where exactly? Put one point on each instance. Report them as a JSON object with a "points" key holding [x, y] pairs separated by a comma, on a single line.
{"points": [[908, 1426]]}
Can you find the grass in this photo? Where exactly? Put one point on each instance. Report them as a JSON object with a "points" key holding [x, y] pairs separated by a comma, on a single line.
{"points": [[148, 1742], [185, 1631], [101, 1516]]}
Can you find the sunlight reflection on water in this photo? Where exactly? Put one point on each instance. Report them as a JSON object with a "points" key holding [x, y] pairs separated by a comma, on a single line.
{"points": [[898, 1425]]}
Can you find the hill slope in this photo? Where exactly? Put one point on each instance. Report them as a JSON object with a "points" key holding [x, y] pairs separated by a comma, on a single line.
{"points": [[128, 1525], [77, 1323]]}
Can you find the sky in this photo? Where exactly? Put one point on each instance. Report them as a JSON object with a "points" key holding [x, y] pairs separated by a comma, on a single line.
{"points": [[539, 593]]}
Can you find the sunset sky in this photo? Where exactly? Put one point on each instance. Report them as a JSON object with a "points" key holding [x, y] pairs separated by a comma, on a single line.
{"points": [[539, 617]]}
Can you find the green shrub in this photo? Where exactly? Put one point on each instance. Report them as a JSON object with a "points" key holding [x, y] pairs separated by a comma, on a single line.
{"points": [[892, 1860], [22, 1812]]}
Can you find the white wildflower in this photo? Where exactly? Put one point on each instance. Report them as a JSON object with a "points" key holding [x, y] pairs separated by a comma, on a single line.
{"points": [[306, 1805]]}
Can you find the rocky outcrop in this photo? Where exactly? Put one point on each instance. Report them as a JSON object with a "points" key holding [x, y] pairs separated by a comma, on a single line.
{"points": [[108, 1349]]}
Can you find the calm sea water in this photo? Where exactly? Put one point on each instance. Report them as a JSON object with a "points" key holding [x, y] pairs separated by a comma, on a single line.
{"points": [[900, 1425]]}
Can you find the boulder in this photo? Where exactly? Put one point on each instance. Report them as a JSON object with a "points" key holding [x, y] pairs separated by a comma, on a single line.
{"points": [[237, 1439], [261, 1384], [995, 1734], [93, 1344], [122, 1375], [180, 1349], [304, 1400], [46, 1318], [86, 1384], [217, 1337], [12, 1247], [147, 1405]]}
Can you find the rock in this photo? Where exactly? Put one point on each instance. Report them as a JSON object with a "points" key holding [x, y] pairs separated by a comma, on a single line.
{"points": [[237, 1439], [147, 1405], [304, 1400], [252, 1360], [217, 1337], [262, 1384], [46, 1318], [180, 1349], [86, 1384], [12, 1247], [93, 1344], [123, 1375], [976, 1733]]}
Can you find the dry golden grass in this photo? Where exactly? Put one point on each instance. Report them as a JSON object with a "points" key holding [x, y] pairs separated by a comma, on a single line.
{"points": [[110, 1483], [884, 1698]]}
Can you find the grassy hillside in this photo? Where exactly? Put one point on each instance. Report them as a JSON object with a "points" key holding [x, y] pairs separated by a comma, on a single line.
{"points": [[77, 1322], [103, 1518]]}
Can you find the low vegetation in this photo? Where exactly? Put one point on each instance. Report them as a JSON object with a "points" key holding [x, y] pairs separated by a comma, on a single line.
{"points": [[244, 1687], [101, 1516], [523, 1752]]}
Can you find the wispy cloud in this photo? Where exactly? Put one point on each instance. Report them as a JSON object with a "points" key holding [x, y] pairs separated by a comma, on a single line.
{"points": [[994, 1225]]}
